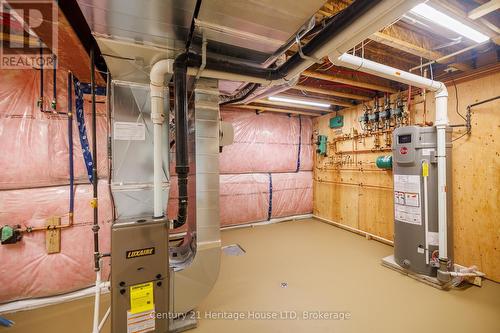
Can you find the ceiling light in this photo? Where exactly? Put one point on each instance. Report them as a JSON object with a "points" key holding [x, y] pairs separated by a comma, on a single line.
{"points": [[298, 101], [448, 22]]}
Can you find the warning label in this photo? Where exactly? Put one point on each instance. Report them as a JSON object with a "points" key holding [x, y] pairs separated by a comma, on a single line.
{"points": [[141, 297], [141, 322], [129, 131], [407, 206]]}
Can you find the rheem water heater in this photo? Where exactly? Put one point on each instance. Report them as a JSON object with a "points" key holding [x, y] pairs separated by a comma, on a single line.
{"points": [[415, 198]]}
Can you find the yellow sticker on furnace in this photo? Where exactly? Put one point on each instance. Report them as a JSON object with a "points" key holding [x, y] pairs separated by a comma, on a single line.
{"points": [[141, 297]]}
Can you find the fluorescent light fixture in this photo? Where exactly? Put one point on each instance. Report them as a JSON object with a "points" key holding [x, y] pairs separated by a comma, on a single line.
{"points": [[448, 22], [298, 101]]}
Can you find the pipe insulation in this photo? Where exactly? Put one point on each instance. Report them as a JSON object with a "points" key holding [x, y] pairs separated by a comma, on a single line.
{"points": [[441, 97]]}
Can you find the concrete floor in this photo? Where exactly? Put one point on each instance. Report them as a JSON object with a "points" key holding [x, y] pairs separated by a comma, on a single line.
{"points": [[326, 269]]}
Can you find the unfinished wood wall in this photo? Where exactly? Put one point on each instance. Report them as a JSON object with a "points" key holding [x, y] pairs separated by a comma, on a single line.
{"points": [[360, 196]]}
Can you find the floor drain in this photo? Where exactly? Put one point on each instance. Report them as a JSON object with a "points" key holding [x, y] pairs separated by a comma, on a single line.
{"points": [[233, 250], [283, 284]]}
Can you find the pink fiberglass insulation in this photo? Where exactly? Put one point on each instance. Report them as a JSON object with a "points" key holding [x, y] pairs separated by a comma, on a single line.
{"points": [[245, 198], [27, 270], [266, 142], [292, 194], [35, 144]]}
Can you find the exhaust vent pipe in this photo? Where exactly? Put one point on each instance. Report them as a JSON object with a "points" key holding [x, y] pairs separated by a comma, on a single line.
{"points": [[181, 136]]}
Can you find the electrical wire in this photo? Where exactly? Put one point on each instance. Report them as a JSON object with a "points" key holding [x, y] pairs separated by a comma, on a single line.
{"points": [[461, 136], [456, 101]]}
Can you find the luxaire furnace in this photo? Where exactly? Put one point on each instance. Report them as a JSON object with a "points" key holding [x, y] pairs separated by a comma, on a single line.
{"points": [[415, 198], [139, 281]]}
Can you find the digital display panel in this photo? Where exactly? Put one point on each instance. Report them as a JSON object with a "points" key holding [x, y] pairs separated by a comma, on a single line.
{"points": [[404, 138]]}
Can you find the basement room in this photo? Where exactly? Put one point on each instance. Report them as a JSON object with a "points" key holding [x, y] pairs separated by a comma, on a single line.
{"points": [[249, 166]]}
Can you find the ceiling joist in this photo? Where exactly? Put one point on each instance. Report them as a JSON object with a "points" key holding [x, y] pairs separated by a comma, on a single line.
{"points": [[484, 9], [403, 45], [354, 83], [329, 92]]}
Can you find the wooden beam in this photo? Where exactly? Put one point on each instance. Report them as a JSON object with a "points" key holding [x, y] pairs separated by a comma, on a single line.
{"points": [[271, 109], [484, 9], [403, 45], [331, 78], [331, 92]]}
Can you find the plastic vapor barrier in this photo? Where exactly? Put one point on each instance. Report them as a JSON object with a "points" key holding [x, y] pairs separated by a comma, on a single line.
{"points": [[34, 144], [27, 270], [267, 142]]}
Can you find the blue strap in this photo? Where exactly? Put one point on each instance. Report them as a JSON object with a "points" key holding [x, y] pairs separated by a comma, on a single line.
{"points": [[99, 91], [82, 130], [300, 144], [270, 211], [6, 322]]}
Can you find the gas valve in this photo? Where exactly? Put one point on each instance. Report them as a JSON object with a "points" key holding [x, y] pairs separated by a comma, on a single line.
{"points": [[10, 234]]}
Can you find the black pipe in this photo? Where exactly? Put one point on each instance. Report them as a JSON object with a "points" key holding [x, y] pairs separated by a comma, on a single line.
{"points": [[338, 23], [54, 87], [484, 101], [95, 226], [40, 100], [181, 135], [70, 149], [192, 27]]}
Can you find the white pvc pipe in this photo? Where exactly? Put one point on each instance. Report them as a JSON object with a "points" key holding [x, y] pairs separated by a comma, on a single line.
{"points": [[441, 96], [157, 77], [103, 321], [97, 301]]}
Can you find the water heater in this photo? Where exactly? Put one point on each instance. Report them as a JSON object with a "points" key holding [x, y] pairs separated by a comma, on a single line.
{"points": [[415, 198]]}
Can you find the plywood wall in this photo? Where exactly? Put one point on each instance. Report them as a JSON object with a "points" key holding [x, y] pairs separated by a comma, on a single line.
{"points": [[358, 195]]}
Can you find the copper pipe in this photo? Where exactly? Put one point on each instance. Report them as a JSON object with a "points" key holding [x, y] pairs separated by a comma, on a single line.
{"points": [[363, 151], [354, 184], [49, 227]]}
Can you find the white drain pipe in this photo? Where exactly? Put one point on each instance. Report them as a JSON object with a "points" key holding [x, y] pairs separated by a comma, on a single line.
{"points": [[441, 96], [157, 77]]}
